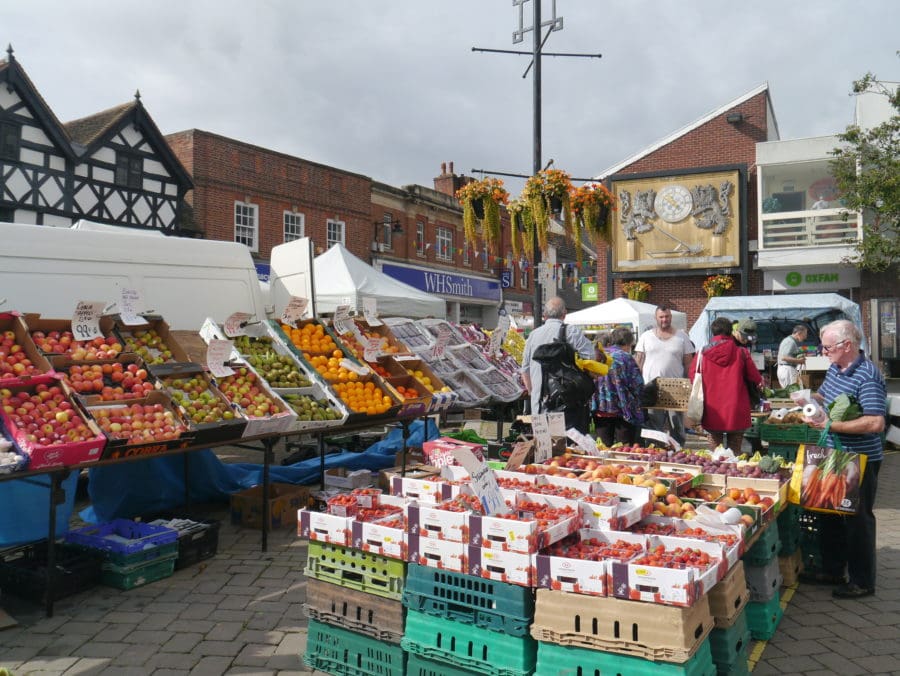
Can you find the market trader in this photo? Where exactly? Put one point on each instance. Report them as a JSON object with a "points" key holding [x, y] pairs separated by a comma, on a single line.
{"points": [[664, 352], [554, 313], [790, 356], [849, 541]]}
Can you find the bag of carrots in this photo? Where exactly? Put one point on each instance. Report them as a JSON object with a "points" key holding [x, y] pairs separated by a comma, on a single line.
{"points": [[827, 479]]}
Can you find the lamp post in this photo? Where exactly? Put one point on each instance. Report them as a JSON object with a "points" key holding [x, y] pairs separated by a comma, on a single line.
{"points": [[396, 229]]}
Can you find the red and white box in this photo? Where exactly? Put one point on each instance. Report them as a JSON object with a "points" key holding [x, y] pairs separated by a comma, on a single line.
{"points": [[434, 553], [439, 452], [633, 505], [582, 576], [386, 536], [434, 523], [324, 527], [526, 535], [495, 564], [670, 586], [422, 490]]}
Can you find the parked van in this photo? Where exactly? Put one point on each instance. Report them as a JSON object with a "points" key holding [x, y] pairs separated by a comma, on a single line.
{"points": [[48, 270]]}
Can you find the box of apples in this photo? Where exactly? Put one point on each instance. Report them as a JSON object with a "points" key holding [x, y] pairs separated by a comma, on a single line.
{"points": [[54, 336], [47, 425], [145, 426], [19, 356], [154, 342], [123, 377]]}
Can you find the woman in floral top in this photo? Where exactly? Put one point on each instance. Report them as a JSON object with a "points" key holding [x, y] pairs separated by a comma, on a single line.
{"points": [[616, 404]]}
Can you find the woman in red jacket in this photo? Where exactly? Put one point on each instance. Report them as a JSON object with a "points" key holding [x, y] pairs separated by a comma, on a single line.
{"points": [[727, 372]]}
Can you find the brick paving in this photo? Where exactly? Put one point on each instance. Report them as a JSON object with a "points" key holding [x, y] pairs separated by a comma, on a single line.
{"points": [[241, 612]]}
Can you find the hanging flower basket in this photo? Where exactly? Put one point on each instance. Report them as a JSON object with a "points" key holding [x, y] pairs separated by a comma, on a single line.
{"points": [[637, 290], [546, 193], [521, 222], [481, 202], [717, 285], [592, 204]]}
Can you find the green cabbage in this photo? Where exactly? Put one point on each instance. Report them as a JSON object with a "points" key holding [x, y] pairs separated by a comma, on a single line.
{"points": [[844, 407]]}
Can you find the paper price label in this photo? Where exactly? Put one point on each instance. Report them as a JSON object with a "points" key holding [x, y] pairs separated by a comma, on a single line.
{"points": [[540, 426], [131, 304], [483, 481], [359, 369], [519, 453], [499, 334], [236, 324], [295, 310], [370, 311], [583, 441], [372, 349], [217, 353], [342, 322], [661, 436], [86, 319], [443, 337], [557, 423]]}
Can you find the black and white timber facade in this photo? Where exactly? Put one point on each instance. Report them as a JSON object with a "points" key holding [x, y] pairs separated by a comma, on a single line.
{"points": [[112, 167]]}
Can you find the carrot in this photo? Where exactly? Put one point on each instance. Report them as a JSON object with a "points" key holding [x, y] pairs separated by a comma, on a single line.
{"points": [[810, 487]]}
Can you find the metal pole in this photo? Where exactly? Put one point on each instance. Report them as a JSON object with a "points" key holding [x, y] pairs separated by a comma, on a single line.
{"points": [[536, 153]]}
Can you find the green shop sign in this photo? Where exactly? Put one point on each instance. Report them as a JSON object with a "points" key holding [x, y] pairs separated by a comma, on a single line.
{"points": [[818, 280]]}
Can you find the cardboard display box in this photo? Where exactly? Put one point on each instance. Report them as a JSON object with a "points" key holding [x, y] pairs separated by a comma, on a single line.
{"points": [[729, 597], [436, 553], [40, 364], [438, 451], [504, 566], [284, 501]]}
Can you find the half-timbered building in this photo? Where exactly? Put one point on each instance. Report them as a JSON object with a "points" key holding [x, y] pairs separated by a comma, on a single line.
{"points": [[112, 167]]}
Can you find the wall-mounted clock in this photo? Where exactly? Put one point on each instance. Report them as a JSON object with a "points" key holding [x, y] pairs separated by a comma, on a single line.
{"points": [[673, 203]]}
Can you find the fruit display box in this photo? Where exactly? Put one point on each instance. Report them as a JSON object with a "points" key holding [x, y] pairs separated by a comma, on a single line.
{"points": [[538, 521], [573, 564], [89, 445], [729, 597], [657, 583], [119, 445], [633, 504], [386, 536], [503, 566], [468, 388], [773, 489], [275, 362], [341, 477], [502, 387], [434, 553], [731, 537], [389, 345], [266, 423], [324, 527], [412, 470], [124, 377], [284, 500], [318, 408], [649, 631], [20, 357], [436, 523], [426, 490], [36, 323], [439, 452], [154, 342], [442, 397], [410, 333], [201, 403]]}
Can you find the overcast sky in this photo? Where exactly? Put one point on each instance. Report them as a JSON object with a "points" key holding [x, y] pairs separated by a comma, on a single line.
{"points": [[392, 88]]}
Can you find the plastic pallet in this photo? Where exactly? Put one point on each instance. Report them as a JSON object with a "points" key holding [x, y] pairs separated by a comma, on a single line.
{"points": [[356, 569], [121, 537], [729, 646], [763, 618], [468, 647], [337, 651], [364, 613], [558, 660], [23, 571], [416, 665], [465, 598], [129, 577], [766, 547]]}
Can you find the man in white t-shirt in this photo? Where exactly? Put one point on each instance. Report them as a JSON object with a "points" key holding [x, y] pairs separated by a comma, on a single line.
{"points": [[791, 357], [664, 352]]}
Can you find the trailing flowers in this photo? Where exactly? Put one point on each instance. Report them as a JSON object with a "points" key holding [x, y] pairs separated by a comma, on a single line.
{"points": [[481, 200], [716, 285]]}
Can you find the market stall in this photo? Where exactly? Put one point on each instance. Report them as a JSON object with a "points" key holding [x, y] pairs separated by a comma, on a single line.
{"points": [[636, 315]]}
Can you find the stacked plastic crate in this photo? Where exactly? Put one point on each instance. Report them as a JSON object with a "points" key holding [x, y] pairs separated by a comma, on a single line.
{"points": [[134, 553], [730, 639], [764, 610], [356, 570], [790, 557]]}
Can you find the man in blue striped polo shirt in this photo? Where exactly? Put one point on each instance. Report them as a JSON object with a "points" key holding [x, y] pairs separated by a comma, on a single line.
{"points": [[850, 541]]}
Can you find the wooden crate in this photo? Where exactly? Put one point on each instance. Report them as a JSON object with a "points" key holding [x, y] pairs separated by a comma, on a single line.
{"points": [[673, 393]]}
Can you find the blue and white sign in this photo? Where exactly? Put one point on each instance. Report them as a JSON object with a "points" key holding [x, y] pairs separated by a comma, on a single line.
{"points": [[445, 283], [263, 271], [506, 279]]}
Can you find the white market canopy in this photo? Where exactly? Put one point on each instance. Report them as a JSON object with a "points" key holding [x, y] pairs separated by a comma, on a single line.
{"points": [[641, 316], [343, 279]]}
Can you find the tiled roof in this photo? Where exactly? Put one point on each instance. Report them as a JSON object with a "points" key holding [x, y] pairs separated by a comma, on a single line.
{"points": [[88, 129]]}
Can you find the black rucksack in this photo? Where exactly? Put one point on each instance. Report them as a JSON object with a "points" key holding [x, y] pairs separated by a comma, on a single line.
{"points": [[563, 385]]}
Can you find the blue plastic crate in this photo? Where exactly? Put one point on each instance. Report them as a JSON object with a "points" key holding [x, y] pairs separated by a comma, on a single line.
{"points": [[122, 537]]}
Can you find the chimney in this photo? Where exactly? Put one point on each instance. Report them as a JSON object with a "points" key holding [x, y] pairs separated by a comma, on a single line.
{"points": [[448, 182]]}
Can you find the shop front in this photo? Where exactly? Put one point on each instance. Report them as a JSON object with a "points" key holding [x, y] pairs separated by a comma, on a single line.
{"points": [[470, 298]]}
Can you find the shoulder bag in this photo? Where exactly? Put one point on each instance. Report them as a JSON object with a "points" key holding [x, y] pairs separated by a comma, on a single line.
{"points": [[694, 413]]}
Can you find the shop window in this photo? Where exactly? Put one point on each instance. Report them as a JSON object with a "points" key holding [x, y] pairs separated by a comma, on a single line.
{"points": [[420, 239], [246, 224], [466, 258], [443, 243], [523, 277], [334, 233], [294, 226]]}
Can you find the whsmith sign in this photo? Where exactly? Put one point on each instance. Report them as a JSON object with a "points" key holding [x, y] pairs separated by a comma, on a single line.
{"points": [[445, 283], [822, 279]]}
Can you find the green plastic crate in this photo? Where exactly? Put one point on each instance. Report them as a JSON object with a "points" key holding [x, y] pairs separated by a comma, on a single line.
{"points": [[730, 645], [467, 646], [559, 660], [137, 575], [465, 598], [741, 666], [765, 548], [789, 434], [763, 617], [789, 530], [338, 651], [356, 569], [416, 665], [786, 451]]}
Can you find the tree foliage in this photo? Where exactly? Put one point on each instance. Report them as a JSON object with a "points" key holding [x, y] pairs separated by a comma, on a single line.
{"points": [[867, 170]]}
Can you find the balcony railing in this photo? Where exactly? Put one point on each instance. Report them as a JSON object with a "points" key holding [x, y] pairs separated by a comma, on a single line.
{"points": [[826, 227]]}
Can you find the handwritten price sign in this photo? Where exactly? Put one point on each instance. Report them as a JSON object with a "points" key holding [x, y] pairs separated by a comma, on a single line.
{"points": [[483, 481], [217, 353], [294, 311], [131, 303], [86, 319], [236, 323]]}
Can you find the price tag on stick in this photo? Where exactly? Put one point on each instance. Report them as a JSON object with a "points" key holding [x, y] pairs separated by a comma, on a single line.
{"points": [[131, 304], [499, 334], [86, 319], [217, 353], [583, 441], [342, 323], [236, 324], [443, 337], [294, 311], [483, 481], [370, 311], [540, 426]]}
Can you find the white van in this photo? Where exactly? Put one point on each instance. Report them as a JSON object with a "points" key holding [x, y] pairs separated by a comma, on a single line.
{"points": [[48, 270]]}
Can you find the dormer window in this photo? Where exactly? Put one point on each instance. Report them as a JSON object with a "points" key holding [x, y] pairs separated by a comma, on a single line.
{"points": [[129, 170], [10, 139]]}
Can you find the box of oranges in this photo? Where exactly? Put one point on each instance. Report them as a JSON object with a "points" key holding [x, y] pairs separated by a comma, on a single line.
{"points": [[311, 338], [366, 397], [441, 396]]}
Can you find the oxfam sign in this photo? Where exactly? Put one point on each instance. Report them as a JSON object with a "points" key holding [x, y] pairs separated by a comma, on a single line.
{"points": [[812, 280]]}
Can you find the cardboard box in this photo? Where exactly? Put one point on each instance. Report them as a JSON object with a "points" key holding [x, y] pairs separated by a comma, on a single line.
{"points": [[433, 523], [413, 471], [634, 504], [340, 477], [791, 566], [423, 490], [284, 501], [772, 488], [439, 451], [35, 322], [435, 553], [581, 576], [644, 630], [386, 537], [14, 323], [152, 356], [325, 527], [729, 597], [503, 566], [526, 537]]}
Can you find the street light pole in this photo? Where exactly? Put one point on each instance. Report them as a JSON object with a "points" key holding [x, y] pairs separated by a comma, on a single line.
{"points": [[537, 310]]}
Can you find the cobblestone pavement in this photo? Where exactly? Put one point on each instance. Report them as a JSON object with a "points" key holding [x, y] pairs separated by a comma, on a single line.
{"points": [[241, 612]]}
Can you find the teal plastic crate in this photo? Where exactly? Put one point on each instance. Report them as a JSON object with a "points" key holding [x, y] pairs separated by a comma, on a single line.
{"points": [[499, 606], [789, 530], [468, 646], [741, 666], [356, 569], [786, 451], [139, 574], [731, 644], [766, 547], [763, 617], [558, 660], [338, 651], [416, 665]]}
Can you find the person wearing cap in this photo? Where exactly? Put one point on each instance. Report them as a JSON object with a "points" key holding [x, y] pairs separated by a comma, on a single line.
{"points": [[728, 370], [744, 331], [790, 356]]}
